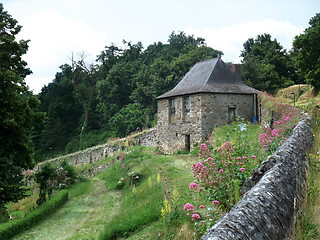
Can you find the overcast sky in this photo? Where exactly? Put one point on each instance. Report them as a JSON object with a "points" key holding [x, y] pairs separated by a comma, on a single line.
{"points": [[57, 28]]}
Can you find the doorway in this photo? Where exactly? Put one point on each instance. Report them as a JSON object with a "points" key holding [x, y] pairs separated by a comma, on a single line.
{"points": [[187, 143]]}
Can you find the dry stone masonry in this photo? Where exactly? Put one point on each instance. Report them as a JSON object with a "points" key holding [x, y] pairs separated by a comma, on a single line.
{"points": [[273, 194], [97, 153]]}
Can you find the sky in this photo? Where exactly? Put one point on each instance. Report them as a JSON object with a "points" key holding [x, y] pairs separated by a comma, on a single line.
{"points": [[59, 28]]}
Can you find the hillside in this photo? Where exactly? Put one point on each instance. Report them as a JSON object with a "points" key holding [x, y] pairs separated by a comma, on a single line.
{"points": [[112, 205]]}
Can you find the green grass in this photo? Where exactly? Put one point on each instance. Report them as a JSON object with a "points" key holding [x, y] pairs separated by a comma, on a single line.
{"points": [[89, 208], [101, 208], [308, 223]]}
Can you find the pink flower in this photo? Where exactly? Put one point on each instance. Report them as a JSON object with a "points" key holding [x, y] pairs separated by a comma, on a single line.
{"points": [[123, 165], [215, 202], [195, 211], [258, 149], [253, 157], [242, 169], [201, 206], [188, 207], [244, 157], [193, 186], [188, 214], [195, 216], [221, 170]]}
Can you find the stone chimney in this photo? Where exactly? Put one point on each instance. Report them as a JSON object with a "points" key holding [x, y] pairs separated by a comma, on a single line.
{"points": [[236, 68]]}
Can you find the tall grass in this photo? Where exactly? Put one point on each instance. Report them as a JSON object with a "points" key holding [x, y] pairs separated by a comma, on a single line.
{"points": [[308, 222], [141, 202]]}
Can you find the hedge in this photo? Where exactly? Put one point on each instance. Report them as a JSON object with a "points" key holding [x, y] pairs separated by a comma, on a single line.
{"points": [[14, 227]]}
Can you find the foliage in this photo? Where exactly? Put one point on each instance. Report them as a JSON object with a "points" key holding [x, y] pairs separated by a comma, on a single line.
{"points": [[134, 213], [70, 171], [14, 227], [18, 110], [307, 52], [63, 115], [128, 119], [43, 177], [115, 96], [221, 170], [307, 220], [266, 65]]}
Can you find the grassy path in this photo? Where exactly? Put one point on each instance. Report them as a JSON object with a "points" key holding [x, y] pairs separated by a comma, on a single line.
{"points": [[82, 217]]}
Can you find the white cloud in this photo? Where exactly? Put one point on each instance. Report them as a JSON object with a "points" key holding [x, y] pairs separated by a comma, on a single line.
{"points": [[53, 39], [230, 40]]}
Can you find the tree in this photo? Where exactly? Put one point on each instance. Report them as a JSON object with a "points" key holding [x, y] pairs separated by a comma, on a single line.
{"points": [[266, 65], [84, 82], [128, 119], [18, 111], [63, 110], [306, 48]]}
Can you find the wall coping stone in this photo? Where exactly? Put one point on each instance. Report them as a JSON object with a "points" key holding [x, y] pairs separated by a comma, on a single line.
{"points": [[273, 194]]}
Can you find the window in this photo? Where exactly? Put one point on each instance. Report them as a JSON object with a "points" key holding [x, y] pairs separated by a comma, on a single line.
{"points": [[186, 109], [172, 111], [231, 115]]}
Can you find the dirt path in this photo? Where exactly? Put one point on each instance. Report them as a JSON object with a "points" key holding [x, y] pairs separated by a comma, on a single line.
{"points": [[82, 217]]}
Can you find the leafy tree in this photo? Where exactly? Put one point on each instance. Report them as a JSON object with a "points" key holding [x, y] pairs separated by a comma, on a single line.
{"points": [[125, 82], [307, 51], [84, 82], [18, 111], [128, 119], [63, 115], [266, 65]]}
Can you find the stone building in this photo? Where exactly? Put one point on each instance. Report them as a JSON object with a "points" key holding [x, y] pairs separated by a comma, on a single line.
{"points": [[209, 95]]}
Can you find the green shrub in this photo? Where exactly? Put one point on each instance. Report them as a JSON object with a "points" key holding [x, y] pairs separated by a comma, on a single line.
{"points": [[14, 227], [71, 172]]}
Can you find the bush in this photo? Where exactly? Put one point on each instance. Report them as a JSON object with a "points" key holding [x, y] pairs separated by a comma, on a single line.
{"points": [[14, 227]]}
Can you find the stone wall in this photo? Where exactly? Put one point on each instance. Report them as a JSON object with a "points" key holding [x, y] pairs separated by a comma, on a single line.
{"points": [[273, 194], [97, 153], [172, 136], [147, 138], [215, 109]]}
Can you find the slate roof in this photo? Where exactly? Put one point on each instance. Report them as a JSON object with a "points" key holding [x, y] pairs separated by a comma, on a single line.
{"points": [[210, 76]]}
